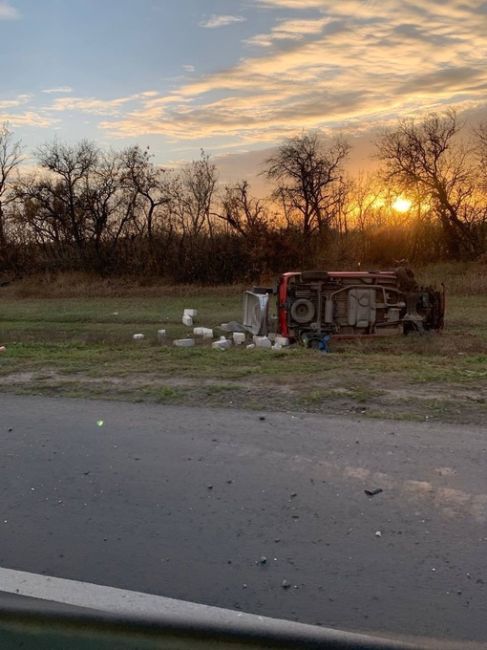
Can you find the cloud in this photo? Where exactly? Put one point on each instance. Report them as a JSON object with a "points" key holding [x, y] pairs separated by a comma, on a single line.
{"points": [[7, 11], [96, 106], [350, 65], [26, 118], [20, 100], [221, 21], [188, 68], [289, 30], [60, 90]]}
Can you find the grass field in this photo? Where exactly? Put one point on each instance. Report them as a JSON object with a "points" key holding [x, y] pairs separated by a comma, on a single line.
{"points": [[62, 345]]}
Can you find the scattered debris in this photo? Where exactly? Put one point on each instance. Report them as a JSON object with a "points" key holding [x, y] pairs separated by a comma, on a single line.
{"points": [[378, 533], [184, 343], [285, 584], [138, 337], [251, 346], [222, 344], [238, 338], [100, 423], [262, 560], [3, 348], [210, 487], [373, 493], [161, 335], [262, 342], [293, 495], [262, 418], [188, 316], [204, 332], [283, 341]]}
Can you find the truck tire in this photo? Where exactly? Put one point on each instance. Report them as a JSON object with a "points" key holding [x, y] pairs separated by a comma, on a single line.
{"points": [[302, 311]]}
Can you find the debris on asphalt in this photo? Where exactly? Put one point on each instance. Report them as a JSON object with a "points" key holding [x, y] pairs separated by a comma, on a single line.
{"points": [[373, 493], [210, 487], [378, 534], [262, 560], [100, 423], [262, 418], [285, 584]]}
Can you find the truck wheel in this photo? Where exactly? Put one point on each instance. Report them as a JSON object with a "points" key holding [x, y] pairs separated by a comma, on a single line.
{"points": [[302, 311]]}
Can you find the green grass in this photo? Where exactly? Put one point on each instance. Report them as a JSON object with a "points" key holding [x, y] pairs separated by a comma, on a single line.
{"points": [[84, 346]]}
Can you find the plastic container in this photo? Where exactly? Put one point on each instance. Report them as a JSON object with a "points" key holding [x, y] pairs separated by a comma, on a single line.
{"points": [[283, 341], [239, 338], [184, 343], [262, 342], [222, 344], [138, 337]]}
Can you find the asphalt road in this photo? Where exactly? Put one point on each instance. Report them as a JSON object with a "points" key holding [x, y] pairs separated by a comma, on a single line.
{"points": [[220, 507]]}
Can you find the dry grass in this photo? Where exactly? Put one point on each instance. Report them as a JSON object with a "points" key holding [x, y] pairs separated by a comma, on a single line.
{"points": [[467, 279], [85, 285], [57, 344]]}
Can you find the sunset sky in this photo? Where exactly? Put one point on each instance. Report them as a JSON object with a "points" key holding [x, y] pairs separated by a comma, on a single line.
{"points": [[233, 76]]}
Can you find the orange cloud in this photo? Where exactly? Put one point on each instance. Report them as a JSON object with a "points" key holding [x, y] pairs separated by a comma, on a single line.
{"points": [[354, 63]]}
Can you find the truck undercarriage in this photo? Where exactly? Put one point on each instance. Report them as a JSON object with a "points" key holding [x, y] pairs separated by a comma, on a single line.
{"points": [[311, 305]]}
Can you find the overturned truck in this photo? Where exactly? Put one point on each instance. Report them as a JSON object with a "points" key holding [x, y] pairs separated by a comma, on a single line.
{"points": [[312, 305]]}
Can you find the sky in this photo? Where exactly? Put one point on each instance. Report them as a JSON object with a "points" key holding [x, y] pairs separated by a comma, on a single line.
{"points": [[234, 77]]}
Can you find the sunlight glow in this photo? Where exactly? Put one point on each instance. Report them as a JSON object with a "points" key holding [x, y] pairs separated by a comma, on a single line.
{"points": [[402, 204]]}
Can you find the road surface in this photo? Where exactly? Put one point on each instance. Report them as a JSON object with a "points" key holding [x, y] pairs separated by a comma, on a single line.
{"points": [[260, 512]]}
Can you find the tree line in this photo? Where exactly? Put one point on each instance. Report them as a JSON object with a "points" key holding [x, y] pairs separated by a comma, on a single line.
{"points": [[117, 212]]}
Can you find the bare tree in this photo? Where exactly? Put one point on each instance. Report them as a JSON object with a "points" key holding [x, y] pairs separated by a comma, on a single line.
{"points": [[149, 182], [193, 193], [242, 212], [70, 168], [307, 173], [428, 155], [10, 159], [482, 149]]}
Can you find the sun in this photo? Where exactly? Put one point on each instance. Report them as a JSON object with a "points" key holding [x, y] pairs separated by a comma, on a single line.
{"points": [[402, 204]]}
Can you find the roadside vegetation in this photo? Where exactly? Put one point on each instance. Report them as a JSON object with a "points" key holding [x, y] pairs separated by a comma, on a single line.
{"points": [[60, 344], [116, 213]]}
